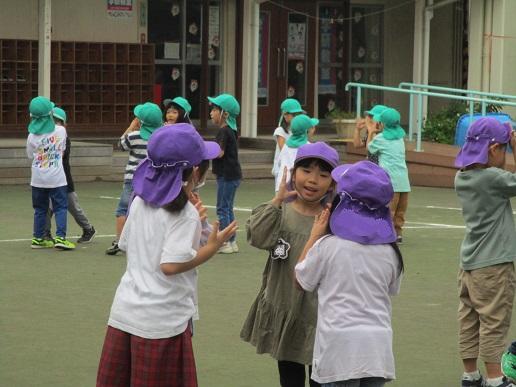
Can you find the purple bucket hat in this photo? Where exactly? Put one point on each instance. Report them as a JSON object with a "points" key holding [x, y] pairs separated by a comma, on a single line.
{"points": [[481, 134], [363, 214], [318, 150], [170, 150]]}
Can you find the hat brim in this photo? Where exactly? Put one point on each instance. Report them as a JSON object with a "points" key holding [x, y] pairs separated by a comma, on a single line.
{"points": [[338, 172], [157, 186], [211, 150], [314, 121], [348, 223]]}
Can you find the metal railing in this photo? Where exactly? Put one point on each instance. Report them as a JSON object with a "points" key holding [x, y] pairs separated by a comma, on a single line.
{"points": [[419, 94], [467, 92]]}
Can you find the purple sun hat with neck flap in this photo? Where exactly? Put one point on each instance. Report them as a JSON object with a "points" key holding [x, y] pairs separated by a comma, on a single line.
{"points": [[483, 133], [171, 149], [362, 214]]}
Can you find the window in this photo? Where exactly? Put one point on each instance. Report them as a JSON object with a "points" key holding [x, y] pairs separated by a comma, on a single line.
{"points": [[176, 29], [366, 50]]}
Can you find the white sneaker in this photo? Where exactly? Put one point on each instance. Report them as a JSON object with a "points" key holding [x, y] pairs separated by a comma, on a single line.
{"points": [[226, 248], [235, 247]]}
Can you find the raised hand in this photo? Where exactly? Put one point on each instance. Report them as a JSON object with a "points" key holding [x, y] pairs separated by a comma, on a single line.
{"points": [[320, 226], [283, 192], [217, 238]]}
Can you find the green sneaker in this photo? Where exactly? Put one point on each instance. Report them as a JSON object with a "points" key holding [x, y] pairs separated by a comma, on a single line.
{"points": [[63, 244], [40, 243]]}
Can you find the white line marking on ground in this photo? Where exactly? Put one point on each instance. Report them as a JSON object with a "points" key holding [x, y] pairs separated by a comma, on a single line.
{"points": [[72, 237], [437, 225], [451, 208], [109, 197]]}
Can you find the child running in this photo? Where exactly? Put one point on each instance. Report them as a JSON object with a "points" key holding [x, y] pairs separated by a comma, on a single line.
{"points": [[147, 120], [389, 146], [354, 270], [46, 144], [300, 125], [177, 110], [282, 319], [488, 251], [148, 339], [290, 108], [74, 208], [224, 110]]}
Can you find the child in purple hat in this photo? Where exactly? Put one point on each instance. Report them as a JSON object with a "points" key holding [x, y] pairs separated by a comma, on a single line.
{"points": [[148, 340], [488, 251], [282, 319], [354, 271]]}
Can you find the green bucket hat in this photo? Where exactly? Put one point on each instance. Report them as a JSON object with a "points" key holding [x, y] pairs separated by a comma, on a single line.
{"points": [[390, 118], [59, 113], [227, 103], [376, 109], [183, 104], [291, 105], [150, 118], [299, 128], [41, 121], [315, 121]]}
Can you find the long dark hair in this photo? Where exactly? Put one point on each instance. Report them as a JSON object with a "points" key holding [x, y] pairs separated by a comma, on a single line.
{"points": [[283, 123], [394, 245], [180, 201]]}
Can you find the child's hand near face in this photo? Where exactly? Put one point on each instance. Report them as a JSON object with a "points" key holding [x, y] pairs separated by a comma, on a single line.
{"points": [[283, 192], [320, 226], [197, 202], [218, 238]]}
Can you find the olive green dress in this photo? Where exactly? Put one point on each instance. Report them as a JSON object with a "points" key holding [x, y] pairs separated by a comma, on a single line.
{"points": [[283, 318]]}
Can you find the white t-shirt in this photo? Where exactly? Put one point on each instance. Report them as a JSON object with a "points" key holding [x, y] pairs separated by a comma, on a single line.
{"points": [[147, 302], [279, 132], [46, 152], [354, 283], [287, 157]]}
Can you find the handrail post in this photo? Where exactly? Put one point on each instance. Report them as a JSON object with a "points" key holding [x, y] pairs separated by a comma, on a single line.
{"points": [[471, 109], [483, 107], [419, 121], [359, 100], [411, 116]]}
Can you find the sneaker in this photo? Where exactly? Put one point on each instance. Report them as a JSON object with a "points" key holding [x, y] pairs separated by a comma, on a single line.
{"points": [[40, 243], [63, 243], [87, 235], [114, 249], [235, 247], [506, 383], [473, 383], [226, 248]]}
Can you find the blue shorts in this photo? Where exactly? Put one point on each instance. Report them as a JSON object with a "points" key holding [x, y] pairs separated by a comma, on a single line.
{"points": [[123, 204]]}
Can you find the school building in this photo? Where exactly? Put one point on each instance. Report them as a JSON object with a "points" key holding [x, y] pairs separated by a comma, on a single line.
{"points": [[99, 58]]}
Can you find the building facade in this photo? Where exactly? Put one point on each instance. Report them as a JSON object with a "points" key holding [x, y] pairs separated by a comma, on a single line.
{"points": [[108, 55]]}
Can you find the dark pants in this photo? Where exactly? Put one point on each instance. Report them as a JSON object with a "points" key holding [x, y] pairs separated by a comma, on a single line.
{"points": [[226, 190], [293, 374], [40, 203], [364, 382]]}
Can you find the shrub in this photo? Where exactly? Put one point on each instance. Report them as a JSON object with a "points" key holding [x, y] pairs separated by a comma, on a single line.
{"points": [[440, 127]]}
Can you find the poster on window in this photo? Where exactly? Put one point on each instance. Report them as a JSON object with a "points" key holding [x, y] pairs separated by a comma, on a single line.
{"points": [[296, 40], [213, 29], [263, 55], [119, 9]]}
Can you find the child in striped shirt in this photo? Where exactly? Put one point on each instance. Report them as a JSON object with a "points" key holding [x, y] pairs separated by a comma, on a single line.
{"points": [[147, 120]]}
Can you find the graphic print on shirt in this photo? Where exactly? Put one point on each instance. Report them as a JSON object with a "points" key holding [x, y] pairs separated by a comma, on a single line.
{"points": [[49, 153], [280, 251]]}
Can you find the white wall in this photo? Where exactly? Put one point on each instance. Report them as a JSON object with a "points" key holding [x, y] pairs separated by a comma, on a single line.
{"points": [[72, 20]]}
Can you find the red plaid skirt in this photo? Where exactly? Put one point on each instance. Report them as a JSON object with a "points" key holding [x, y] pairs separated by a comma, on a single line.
{"points": [[129, 360]]}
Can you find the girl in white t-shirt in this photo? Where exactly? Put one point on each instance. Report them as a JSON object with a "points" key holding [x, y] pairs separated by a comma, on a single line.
{"points": [[355, 270], [148, 340], [290, 108]]}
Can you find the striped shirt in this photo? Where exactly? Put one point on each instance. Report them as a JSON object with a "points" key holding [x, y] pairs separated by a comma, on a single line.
{"points": [[137, 148]]}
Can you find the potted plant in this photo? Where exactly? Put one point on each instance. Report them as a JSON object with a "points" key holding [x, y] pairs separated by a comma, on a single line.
{"points": [[343, 121]]}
